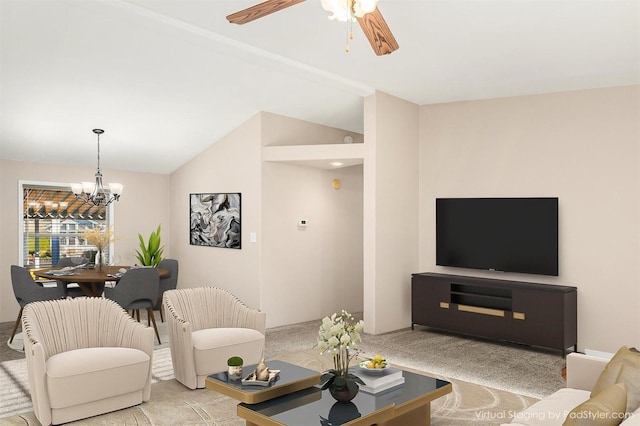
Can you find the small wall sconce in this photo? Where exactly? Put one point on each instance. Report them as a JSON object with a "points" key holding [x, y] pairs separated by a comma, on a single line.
{"points": [[336, 184]]}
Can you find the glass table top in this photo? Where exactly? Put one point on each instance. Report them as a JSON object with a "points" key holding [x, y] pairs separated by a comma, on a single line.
{"points": [[314, 406]]}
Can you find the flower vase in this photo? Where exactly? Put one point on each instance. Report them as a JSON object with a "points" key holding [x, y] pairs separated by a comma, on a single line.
{"points": [[99, 261], [346, 394]]}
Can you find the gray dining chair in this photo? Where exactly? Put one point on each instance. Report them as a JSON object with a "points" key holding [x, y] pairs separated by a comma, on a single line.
{"points": [[70, 289], [27, 290], [137, 289], [167, 283]]}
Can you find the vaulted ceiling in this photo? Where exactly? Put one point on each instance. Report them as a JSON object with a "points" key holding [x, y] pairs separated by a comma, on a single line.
{"points": [[167, 78]]}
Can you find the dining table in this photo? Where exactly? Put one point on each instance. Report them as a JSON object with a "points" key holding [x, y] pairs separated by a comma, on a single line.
{"points": [[90, 279]]}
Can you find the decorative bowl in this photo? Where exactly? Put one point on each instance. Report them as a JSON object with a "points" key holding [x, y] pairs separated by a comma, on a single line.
{"points": [[373, 371]]}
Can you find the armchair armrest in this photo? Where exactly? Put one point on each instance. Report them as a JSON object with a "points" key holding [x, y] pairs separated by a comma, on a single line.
{"points": [[251, 318], [583, 370], [36, 368], [181, 344]]}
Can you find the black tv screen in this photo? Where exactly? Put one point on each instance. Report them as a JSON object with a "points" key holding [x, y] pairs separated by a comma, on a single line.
{"points": [[498, 234]]}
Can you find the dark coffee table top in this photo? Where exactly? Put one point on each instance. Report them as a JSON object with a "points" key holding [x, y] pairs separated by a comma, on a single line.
{"points": [[292, 378], [315, 406]]}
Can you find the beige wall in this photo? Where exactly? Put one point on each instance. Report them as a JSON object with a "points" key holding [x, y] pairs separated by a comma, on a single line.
{"points": [[391, 211], [232, 164], [140, 210], [310, 272], [290, 274], [582, 147], [313, 272]]}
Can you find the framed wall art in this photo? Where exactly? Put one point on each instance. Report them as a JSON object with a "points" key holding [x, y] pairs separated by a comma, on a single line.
{"points": [[215, 220]]}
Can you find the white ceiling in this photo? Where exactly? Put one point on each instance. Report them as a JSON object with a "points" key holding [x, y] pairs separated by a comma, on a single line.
{"points": [[167, 78]]}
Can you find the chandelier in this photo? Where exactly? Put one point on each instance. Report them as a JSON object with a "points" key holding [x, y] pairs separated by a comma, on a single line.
{"points": [[94, 193]]}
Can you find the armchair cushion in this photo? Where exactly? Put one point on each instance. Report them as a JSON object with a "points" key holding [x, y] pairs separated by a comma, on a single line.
{"points": [[214, 346], [101, 373]]}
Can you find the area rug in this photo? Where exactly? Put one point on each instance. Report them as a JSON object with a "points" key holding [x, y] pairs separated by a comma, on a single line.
{"points": [[173, 404]]}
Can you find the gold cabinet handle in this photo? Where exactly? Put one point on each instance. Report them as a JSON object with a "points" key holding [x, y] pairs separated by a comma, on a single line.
{"points": [[479, 310]]}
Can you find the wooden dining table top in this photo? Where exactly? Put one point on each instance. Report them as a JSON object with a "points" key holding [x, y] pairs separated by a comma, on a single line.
{"points": [[91, 275]]}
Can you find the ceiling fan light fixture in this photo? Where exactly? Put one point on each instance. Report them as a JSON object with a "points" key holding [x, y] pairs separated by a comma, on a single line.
{"points": [[362, 7], [348, 10], [365, 12]]}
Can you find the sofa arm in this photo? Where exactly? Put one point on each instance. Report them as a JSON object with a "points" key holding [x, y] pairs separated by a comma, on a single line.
{"points": [[583, 370]]}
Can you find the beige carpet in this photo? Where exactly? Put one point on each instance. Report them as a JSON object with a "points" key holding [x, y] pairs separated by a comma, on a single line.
{"points": [[173, 404]]}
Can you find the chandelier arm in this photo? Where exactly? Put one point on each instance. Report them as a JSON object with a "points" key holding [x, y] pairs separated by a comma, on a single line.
{"points": [[98, 195]]}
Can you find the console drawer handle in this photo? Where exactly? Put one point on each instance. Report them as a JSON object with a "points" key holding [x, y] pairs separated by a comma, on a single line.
{"points": [[479, 310]]}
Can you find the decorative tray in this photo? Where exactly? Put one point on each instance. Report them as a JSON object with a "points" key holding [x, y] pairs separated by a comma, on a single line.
{"points": [[252, 381]]}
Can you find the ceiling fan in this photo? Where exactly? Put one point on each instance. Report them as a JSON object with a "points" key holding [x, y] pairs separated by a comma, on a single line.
{"points": [[365, 12]]}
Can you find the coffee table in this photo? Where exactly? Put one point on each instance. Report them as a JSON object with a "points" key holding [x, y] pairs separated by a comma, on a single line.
{"points": [[405, 404], [292, 378]]}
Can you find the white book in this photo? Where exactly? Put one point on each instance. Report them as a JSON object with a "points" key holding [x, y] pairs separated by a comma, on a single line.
{"points": [[383, 387]]}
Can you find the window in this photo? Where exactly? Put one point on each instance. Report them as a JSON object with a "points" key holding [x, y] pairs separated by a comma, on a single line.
{"points": [[53, 223]]}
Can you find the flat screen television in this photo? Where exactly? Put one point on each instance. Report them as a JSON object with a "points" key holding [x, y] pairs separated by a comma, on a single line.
{"points": [[498, 234]]}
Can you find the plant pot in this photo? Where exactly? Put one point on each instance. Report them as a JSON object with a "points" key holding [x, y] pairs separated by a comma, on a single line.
{"points": [[235, 372], [345, 394]]}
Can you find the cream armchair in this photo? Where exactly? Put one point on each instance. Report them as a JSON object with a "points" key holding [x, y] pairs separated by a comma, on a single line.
{"points": [[207, 326], [85, 356]]}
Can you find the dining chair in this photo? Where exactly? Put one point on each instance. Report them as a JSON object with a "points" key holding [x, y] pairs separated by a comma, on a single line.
{"points": [[27, 290], [167, 283], [69, 289], [137, 289], [207, 326]]}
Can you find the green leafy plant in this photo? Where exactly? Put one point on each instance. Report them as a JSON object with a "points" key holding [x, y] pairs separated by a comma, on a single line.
{"points": [[150, 254], [235, 361]]}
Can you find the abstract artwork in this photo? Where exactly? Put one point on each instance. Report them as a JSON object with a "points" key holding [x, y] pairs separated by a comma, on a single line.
{"points": [[215, 220]]}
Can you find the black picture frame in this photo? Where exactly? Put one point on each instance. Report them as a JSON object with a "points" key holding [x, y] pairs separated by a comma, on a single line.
{"points": [[215, 219]]}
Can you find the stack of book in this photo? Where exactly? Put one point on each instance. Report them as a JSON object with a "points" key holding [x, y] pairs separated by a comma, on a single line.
{"points": [[386, 379]]}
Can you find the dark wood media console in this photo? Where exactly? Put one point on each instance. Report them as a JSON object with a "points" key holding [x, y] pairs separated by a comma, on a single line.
{"points": [[533, 314]]}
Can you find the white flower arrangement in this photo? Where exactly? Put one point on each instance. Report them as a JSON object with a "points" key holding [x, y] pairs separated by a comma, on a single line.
{"points": [[338, 335], [339, 332]]}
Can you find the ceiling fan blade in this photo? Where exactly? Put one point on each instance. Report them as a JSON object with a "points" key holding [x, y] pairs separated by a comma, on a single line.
{"points": [[260, 10], [378, 33]]}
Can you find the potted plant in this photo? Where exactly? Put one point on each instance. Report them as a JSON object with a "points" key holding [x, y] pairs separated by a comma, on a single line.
{"points": [[235, 367], [150, 254], [340, 334]]}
